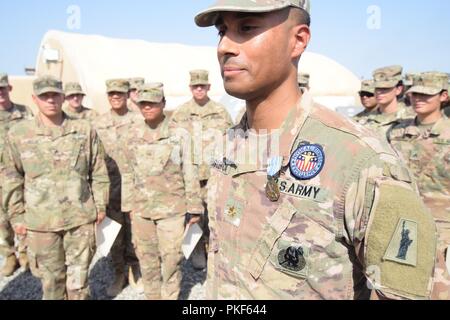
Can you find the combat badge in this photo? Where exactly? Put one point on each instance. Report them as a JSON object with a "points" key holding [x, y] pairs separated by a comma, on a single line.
{"points": [[403, 246], [307, 162], [292, 259]]}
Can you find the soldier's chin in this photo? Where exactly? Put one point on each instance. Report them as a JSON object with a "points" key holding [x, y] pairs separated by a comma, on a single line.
{"points": [[236, 91]]}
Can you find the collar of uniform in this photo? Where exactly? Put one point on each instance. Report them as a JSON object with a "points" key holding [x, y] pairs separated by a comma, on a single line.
{"points": [[439, 127], [67, 127], [68, 111], [162, 132], [202, 111], [288, 133]]}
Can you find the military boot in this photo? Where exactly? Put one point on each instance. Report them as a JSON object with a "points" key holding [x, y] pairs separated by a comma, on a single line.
{"points": [[11, 266], [120, 281], [23, 261]]}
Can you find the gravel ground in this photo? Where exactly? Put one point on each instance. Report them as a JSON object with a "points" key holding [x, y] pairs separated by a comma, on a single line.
{"points": [[23, 286]]}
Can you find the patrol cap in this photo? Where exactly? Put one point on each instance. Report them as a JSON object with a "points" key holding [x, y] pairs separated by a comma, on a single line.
{"points": [[46, 84], [303, 79], [117, 85], [368, 86], [430, 83], [409, 79], [4, 81], [199, 77], [388, 77], [155, 85], [150, 93], [72, 88], [208, 17], [135, 83]]}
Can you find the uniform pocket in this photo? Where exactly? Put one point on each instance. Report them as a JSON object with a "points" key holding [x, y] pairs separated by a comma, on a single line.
{"points": [[271, 234], [152, 159]]}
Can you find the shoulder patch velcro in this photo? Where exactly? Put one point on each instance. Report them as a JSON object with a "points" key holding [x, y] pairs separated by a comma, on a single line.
{"points": [[400, 242]]}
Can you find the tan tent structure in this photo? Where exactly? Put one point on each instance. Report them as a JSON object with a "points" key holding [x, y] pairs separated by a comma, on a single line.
{"points": [[91, 59]]}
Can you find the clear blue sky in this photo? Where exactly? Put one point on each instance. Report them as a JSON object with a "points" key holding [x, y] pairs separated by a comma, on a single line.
{"points": [[413, 33]]}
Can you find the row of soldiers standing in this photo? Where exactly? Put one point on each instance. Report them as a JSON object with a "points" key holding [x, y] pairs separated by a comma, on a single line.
{"points": [[67, 168], [411, 114]]}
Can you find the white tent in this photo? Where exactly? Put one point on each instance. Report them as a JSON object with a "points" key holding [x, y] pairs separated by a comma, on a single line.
{"points": [[92, 59]]}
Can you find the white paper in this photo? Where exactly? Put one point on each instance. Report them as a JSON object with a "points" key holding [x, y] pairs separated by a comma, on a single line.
{"points": [[107, 232], [448, 260], [192, 236]]}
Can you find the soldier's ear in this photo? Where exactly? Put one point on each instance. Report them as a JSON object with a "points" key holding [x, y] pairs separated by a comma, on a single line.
{"points": [[301, 38], [444, 96], [10, 88]]}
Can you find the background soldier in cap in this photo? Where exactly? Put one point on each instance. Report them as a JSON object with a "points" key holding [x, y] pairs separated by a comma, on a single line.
{"points": [[408, 82], [160, 188], [303, 80], [424, 143], [51, 165], [10, 114], [389, 112], [328, 207], [109, 126], [74, 98], [135, 83], [208, 119], [368, 100]]}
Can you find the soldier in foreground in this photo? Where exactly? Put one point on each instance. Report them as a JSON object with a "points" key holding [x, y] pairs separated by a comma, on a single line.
{"points": [[389, 112], [74, 98], [209, 121], [160, 188], [329, 208], [368, 100], [424, 143], [109, 127], [10, 114], [51, 165]]}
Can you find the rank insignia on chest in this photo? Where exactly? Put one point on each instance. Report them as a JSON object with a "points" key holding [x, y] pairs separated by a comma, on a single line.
{"points": [[307, 162], [233, 212]]}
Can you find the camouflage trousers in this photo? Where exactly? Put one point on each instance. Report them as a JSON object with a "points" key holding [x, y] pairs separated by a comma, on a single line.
{"points": [[122, 252], [158, 246], [441, 285], [61, 261], [7, 246]]}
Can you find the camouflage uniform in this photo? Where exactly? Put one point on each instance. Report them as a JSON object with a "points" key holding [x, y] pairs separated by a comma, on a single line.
{"points": [[426, 150], [160, 187], [8, 118], [72, 88], [208, 123], [109, 127], [380, 122], [366, 86], [55, 184], [346, 209]]}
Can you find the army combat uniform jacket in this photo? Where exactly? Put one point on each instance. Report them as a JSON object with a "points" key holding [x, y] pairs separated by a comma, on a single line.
{"points": [[55, 178], [84, 114], [208, 123], [110, 127], [160, 181], [347, 210], [381, 123], [426, 150]]}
